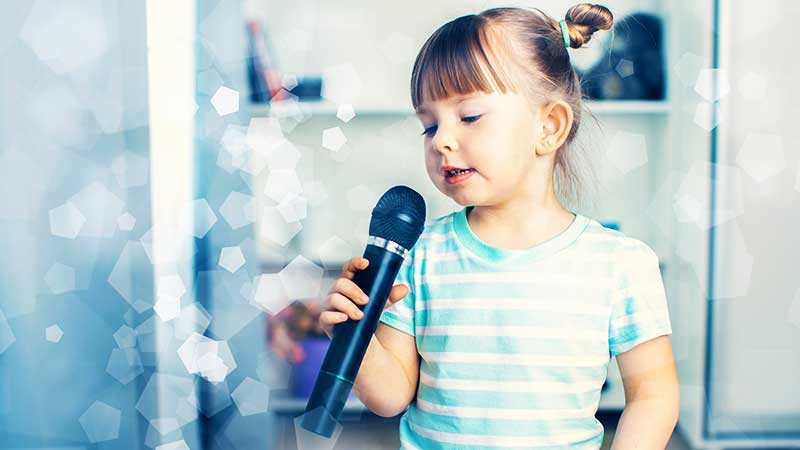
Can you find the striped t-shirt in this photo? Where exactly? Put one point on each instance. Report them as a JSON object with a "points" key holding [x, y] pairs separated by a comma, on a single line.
{"points": [[515, 344]]}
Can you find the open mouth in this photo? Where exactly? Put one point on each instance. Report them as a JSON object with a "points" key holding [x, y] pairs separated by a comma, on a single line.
{"points": [[452, 173], [455, 176]]}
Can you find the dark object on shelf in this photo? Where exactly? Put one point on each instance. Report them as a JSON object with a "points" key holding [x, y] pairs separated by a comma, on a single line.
{"points": [[263, 74], [633, 68], [259, 89], [308, 89]]}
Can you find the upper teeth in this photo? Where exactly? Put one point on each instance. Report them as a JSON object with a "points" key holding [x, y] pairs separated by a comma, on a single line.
{"points": [[457, 171]]}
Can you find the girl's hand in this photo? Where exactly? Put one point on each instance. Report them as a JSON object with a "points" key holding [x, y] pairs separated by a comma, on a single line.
{"points": [[345, 296]]}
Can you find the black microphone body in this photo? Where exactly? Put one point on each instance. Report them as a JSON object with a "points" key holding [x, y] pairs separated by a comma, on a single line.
{"points": [[351, 338]]}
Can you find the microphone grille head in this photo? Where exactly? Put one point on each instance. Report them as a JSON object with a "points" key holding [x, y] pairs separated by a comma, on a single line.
{"points": [[399, 216]]}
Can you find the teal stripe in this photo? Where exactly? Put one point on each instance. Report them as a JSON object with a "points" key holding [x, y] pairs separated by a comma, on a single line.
{"points": [[465, 264], [423, 443], [462, 371], [633, 331], [528, 290], [401, 323], [514, 317], [628, 307], [512, 345], [603, 241], [505, 400], [541, 428], [632, 338], [336, 376]]}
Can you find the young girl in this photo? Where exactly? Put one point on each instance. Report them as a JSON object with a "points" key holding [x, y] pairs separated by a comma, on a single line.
{"points": [[500, 328]]}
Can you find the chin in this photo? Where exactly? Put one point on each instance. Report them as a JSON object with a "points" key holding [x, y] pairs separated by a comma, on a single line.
{"points": [[459, 198], [457, 195], [461, 201]]}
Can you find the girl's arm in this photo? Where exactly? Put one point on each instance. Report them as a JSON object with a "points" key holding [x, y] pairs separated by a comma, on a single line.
{"points": [[651, 396]]}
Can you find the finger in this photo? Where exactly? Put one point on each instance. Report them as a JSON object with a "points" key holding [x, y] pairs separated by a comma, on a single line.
{"points": [[353, 265], [351, 290], [397, 293], [332, 317], [343, 304]]}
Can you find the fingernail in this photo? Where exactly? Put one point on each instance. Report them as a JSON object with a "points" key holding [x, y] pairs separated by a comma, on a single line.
{"points": [[365, 299], [359, 313]]}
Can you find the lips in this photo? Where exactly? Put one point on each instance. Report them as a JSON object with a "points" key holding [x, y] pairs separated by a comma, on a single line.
{"points": [[446, 170], [456, 175]]}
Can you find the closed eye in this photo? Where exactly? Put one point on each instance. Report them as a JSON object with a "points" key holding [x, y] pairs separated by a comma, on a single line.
{"points": [[470, 119]]}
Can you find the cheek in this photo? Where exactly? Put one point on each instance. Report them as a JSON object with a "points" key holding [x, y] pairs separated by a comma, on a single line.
{"points": [[431, 166], [429, 161], [504, 166]]}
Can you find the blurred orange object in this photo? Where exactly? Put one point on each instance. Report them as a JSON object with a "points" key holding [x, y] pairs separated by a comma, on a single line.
{"points": [[289, 327]]}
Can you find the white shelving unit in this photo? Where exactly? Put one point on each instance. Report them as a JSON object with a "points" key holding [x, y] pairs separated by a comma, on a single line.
{"points": [[324, 107]]}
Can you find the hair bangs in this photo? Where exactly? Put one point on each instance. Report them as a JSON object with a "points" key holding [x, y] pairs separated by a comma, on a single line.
{"points": [[455, 60]]}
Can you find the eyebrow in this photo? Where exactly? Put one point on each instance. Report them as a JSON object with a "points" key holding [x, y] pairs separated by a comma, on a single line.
{"points": [[462, 98]]}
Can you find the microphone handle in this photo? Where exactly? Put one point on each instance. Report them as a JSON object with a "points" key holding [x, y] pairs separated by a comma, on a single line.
{"points": [[350, 341]]}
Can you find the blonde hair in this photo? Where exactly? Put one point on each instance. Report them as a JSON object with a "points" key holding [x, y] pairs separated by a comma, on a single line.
{"points": [[465, 55]]}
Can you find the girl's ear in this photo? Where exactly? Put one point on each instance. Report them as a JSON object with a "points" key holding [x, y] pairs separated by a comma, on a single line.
{"points": [[556, 119]]}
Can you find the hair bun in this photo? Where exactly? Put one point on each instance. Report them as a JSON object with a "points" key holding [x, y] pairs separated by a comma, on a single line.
{"points": [[584, 19]]}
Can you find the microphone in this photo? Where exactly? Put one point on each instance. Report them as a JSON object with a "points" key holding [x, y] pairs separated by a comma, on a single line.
{"points": [[397, 222]]}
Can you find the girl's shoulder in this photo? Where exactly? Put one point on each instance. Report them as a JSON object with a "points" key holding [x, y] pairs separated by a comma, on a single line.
{"points": [[598, 237]]}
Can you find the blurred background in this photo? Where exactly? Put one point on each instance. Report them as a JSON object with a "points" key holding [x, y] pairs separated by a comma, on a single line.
{"points": [[182, 181]]}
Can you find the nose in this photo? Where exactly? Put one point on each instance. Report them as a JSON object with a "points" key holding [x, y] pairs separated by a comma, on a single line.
{"points": [[444, 140]]}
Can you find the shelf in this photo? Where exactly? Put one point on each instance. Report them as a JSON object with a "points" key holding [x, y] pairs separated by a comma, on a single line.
{"points": [[594, 106], [628, 106]]}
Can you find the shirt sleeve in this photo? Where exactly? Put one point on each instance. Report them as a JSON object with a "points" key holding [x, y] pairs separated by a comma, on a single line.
{"points": [[639, 311], [401, 314]]}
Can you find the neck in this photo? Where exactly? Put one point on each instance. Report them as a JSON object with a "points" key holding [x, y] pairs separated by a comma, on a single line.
{"points": [[520, 222]]}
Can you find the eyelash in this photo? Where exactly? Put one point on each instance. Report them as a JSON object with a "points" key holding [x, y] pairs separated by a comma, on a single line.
{"points": [[469, 117]]}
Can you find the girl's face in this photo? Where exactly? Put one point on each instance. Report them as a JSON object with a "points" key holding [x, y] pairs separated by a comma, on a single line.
{"points": [[492, 135]]}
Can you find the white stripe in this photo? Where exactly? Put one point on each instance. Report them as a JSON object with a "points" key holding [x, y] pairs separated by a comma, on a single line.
{"points": [[400, 310], [405, 445], [443, 256], [593, 233], [603, 236], [437, 237], [506, 386], [441, 219], [517, 359], [504, 413], [510, 330], [654, 287], [567, 279], [602, 259], [641, 318], [554, 305], [503, 441]]}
